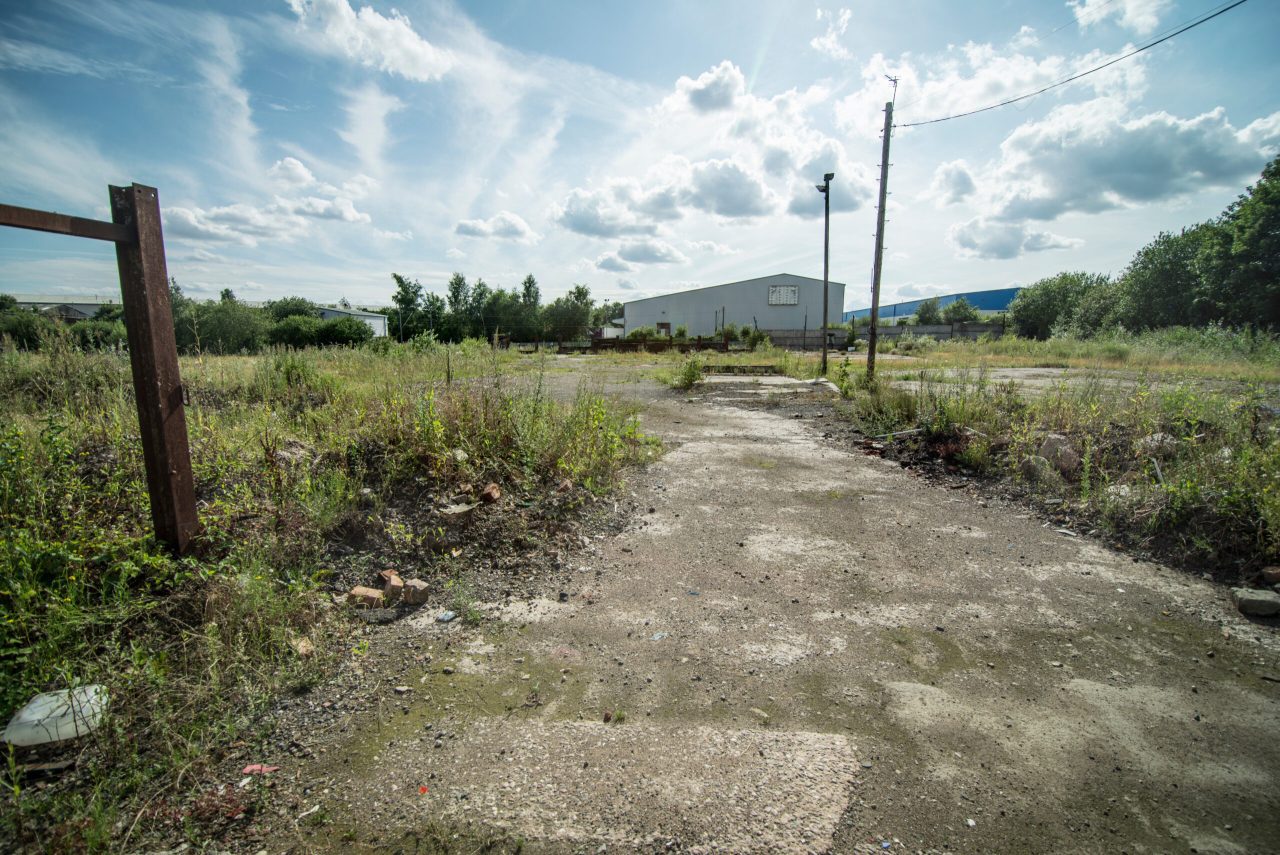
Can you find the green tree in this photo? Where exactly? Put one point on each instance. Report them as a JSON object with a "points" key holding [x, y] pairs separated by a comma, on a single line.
{"points": [[602, 314], [288, 307], [927, 312], [295, 331], [227, 296], [25, 329], [1160, 285], [568, 317], [1240, 258], [403, 322], [960, 311], [8, 303], [1038, 307], [344, 330], [230, 327]]}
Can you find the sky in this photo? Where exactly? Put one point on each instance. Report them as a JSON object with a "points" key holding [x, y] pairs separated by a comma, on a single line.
{"points": [[314, 147]]}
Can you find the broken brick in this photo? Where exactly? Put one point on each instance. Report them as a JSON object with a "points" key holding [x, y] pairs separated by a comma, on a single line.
{"points": [[491, 493], [370, 598], [415, 592]]}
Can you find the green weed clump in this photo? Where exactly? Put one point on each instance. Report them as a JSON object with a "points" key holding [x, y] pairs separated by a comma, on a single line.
{"points": [[290, 450], [689, 375]]}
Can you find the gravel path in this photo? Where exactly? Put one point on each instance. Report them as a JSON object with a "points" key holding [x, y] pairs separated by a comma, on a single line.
{"points": [[798, 648]]}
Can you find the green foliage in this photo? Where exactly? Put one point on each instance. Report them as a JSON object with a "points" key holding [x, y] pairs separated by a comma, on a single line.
{"points": [[567, 317], [960, 311], [343, 331], [689, 375], [96, 335], [295, 331], [642, 334], [291, 307], [1039, 307], [928, 313], [25, 329]]}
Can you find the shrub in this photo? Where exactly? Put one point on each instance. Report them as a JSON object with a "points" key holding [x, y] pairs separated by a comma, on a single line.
{"points": [[928, 313], [960, 311], [642, 334], [689, 375], [99, 335], [295, 331], [25, 329], [343, 331], [682, 331]]}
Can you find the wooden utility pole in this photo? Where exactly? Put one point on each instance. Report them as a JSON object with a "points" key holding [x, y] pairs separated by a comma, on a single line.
{"points": [[153, 353], [879, 260], [825, 189]]}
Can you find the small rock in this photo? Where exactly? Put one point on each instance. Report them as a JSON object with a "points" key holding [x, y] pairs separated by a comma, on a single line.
{"points": [[459, 456], [1271, 575], [415, 592], [970, 823], [565, 486], [1158, 445], [446, 617], [491, 493], [302, 646], [369, 598], [1256, 603], [1059, 452], [403, 690], [393, 588], [608, 716], [1037, 470], [447, 670]]}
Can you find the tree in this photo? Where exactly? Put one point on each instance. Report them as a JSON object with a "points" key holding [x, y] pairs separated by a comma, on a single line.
{"points": [[344, 330], [530, 296], [295, 331], [960, 311], [567, 317], [407, 297], [227, 296], [230, 327], [8, 302], [1159, 287], [288, 307], [604, 313], [1038, 307], [1240, 257], [927, 312]]}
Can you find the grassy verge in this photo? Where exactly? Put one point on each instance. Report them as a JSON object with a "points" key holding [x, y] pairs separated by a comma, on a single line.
{"points": [[1186, 470], [289, 451]]}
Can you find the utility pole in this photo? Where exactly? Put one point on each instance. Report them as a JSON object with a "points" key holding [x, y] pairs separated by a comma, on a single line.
{"points": [[825, 189], [875, 273]]}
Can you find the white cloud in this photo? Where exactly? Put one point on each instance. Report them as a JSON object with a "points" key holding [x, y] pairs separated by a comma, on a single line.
{"points": [[829, 42], [1263, 133], [716, 89], [324, 209], [599, 214], [610, 261], [627, 285], [724, 187], [503, 225], [917, 290], [651, 252], [992, 239], [454, 252], [710, 246], [952, 183], [375, 41], [292, 173], [1091, 157], [368, 109], [238, 223], [1140, 16]]}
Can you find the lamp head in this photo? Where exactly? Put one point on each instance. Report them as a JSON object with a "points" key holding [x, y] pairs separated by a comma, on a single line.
{"points": [[822, 188], [828, 176]]}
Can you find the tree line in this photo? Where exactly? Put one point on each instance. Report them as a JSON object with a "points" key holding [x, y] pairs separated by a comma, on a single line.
{"points": [[1223, 271], [228, 325]]}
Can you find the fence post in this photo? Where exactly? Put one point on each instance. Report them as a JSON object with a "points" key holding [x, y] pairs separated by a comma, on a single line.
{"points": [[144, 285]]}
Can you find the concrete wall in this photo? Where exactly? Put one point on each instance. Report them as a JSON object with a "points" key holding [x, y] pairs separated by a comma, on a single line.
{"points": [[938, 331], [743, 303]]}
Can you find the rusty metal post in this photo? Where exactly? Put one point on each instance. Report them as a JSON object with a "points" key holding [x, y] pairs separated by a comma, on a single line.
{"points": [[153, 352]]}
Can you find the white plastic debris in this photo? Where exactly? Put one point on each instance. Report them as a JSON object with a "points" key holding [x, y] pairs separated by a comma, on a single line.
{"points": [[55, 716]]}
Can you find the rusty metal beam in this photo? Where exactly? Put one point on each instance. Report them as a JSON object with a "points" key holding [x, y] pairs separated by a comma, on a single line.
{"points": [[62, 224], [153, 354]]}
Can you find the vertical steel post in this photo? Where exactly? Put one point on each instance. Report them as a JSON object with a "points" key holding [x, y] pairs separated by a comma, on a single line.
{"points": [[826, 264], [879, 259], [153, 355]]}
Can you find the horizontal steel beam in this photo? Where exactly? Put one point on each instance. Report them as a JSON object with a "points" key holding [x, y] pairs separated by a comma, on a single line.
{"points": [[62, 224]]}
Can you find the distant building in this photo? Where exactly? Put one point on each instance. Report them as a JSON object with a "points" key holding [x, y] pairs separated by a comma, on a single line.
{"points": [[376, 322], [782, 302], [69, 307], [986, 302]]}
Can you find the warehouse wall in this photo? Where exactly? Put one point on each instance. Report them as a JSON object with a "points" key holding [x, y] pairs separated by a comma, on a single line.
{"points": [[743, 303]]}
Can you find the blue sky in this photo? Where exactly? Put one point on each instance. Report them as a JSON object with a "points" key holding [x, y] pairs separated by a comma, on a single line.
{"points": [[313, 147]]}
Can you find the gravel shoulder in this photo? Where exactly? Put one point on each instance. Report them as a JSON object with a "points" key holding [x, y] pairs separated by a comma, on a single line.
{"points": [[796, 647]]}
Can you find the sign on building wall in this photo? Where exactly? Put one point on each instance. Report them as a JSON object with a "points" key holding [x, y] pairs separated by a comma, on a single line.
{"points": [[784, 295]]}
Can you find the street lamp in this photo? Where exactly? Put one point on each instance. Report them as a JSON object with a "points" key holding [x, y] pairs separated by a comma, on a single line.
{"points": [[825, 189]]}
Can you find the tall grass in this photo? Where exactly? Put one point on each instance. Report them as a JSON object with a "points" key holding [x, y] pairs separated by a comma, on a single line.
{"points": [[286, 448]]}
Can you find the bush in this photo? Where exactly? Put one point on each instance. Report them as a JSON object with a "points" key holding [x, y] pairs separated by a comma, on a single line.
{"points": [[292, 307], [25, 329], [682, 331], [296, 331], [690, 373], [927, 313], [99, 335], [343, 331], [961, 311], [642, 334]]}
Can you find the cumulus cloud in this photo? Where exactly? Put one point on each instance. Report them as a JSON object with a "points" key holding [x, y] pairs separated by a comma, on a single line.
{"points": [[503, 225], [972, 75], [829, 42], [850, 188], [1140, 16], [388, 44], [627, 285], [651, 252], [710, 246], [993, 239], [952, 183], [324, 209], [291, 172], [723, 187], [454, 252], [239, 223], [1089, 157], [1263, 133], [610, 261], [598, 213], [716, 89]]}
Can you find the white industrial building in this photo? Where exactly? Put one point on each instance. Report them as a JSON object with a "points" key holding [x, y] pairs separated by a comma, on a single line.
{"points": [[375, 321], [783, 302]]}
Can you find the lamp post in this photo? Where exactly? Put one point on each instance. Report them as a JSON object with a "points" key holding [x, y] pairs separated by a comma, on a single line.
{"points": [[825, 189]]}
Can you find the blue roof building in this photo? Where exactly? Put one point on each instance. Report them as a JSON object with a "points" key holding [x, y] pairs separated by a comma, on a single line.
{"points": [[984, 301]]}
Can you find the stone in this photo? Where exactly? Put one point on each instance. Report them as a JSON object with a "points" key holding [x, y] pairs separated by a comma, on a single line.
{"points": [[393, 588], [302, 646], [459, 456], [446, 617], [1256, 603], [491, 493], [403, 690], [1271, 575], [1158, 444], [370, 598], [1037, 470], [415, 592], [565, 486], [1061, 454]]}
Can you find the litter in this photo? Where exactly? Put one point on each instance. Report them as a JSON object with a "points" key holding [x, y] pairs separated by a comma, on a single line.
{"points": [[446, 617], [55, 716], [258, 769], [658, 636]]}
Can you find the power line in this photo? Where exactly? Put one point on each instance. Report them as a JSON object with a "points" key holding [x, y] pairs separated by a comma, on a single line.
{"points": [[1074, 77]]}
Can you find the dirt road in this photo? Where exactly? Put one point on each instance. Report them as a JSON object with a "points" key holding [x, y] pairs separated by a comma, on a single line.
{"points": [[799, 648]]}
